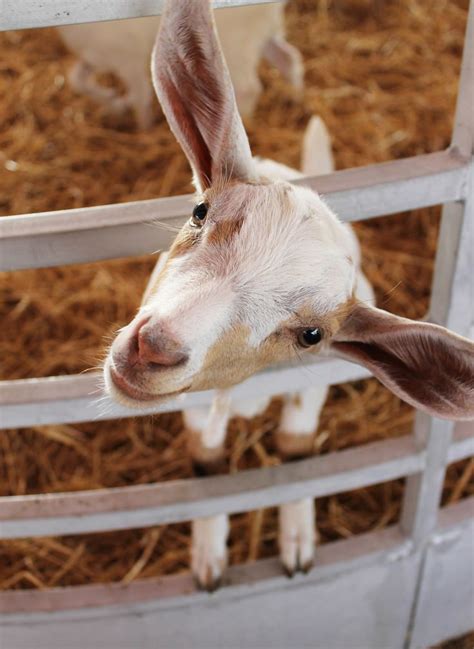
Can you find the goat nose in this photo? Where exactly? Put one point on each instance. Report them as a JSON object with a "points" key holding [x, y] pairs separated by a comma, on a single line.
{"points": [[159, 348]]}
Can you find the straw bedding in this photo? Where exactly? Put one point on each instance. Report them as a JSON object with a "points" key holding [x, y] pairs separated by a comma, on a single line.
{"points": [[383, 75]]}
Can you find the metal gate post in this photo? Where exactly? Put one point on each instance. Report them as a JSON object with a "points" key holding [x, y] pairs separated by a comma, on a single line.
{"points": [[451, 306]]}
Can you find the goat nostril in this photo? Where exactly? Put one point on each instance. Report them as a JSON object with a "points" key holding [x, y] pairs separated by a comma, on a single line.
{"points": [[166, 360], [156, 352], [154, 366], [135, 345], [136, 337]]}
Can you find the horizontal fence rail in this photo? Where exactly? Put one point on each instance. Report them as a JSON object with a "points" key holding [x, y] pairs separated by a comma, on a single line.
{"points": [[332, 559], [376, 570], [112, 231], [182, 500], [80, 397], [463, 442], [25, 14]]}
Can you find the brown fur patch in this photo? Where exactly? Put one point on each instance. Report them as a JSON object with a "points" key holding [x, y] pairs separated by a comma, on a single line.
{"points": [[333, 321], [228, 361], [330, 323], [224, 231], [232, 359], [206, 460], [293, 447], [184, 242]]}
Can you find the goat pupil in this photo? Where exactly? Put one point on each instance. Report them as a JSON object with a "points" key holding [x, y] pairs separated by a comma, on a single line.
{"points": [[200, 211], [312, 336]]}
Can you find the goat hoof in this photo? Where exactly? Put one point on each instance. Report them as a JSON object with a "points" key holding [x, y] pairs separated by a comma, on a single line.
{"points": [[297, 556], [211, 579], [289, 572], [306, 566], [209, 551], [297, 534], [212, 583], [207, 569]]}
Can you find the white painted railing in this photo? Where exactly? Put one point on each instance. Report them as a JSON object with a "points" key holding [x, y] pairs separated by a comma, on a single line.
{"points": [[94, 233], [24, 14]]}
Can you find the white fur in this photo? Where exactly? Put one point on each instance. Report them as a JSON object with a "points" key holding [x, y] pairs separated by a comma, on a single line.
{"points": [[210, 423], [250, 407], [124, 47], [286, 58], [316, 157], [275, 170], [209, 535], [301, 416], [305, 252], [209, 549], [297, 534]]}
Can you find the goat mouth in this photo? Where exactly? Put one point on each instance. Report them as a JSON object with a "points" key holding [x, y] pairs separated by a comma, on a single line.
{"points": [[129, 390], [132, 396]]}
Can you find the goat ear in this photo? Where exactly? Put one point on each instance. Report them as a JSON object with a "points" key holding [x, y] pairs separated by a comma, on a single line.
{"points": [[317, 156], [194, 88], [426, 365]]}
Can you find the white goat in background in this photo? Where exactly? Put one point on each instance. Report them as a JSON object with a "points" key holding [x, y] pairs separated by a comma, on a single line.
{"points": [[123, 47], [262, 272]]}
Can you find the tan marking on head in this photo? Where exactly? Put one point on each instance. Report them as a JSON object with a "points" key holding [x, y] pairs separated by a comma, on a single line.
{"points": [[232, 358], [330, 323], [334, 320], [185, 240], [224, 231]]}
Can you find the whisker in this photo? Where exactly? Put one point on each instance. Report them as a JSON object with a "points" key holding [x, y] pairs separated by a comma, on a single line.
{"points": [[98, 390], [302, 366], [90, 370], [160, 225], [104, 407]]}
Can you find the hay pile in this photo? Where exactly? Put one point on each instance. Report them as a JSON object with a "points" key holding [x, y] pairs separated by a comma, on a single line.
{"points": [[383, 76]]}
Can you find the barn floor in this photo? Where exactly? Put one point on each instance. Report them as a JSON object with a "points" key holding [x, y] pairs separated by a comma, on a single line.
{"points": [[383, 76]]}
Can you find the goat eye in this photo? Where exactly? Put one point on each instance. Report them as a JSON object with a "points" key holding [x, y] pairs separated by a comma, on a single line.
{"points": [[310, 337], [199, 214]]}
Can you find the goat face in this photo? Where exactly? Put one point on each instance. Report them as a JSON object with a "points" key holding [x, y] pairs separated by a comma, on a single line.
{"points": [[243, 286]]}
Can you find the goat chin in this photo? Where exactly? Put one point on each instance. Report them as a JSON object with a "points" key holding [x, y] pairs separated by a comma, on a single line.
{"points": [[121, 398]]}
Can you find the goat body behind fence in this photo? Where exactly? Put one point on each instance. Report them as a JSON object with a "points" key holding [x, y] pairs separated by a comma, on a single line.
{"points": [[124, 47]]}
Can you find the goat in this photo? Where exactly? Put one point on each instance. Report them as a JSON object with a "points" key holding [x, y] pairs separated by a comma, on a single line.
{"points": [[262, 272], [124, 47]]}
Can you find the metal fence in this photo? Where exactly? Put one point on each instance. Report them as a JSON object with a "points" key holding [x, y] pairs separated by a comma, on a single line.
{"points": [[410, 585]]}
